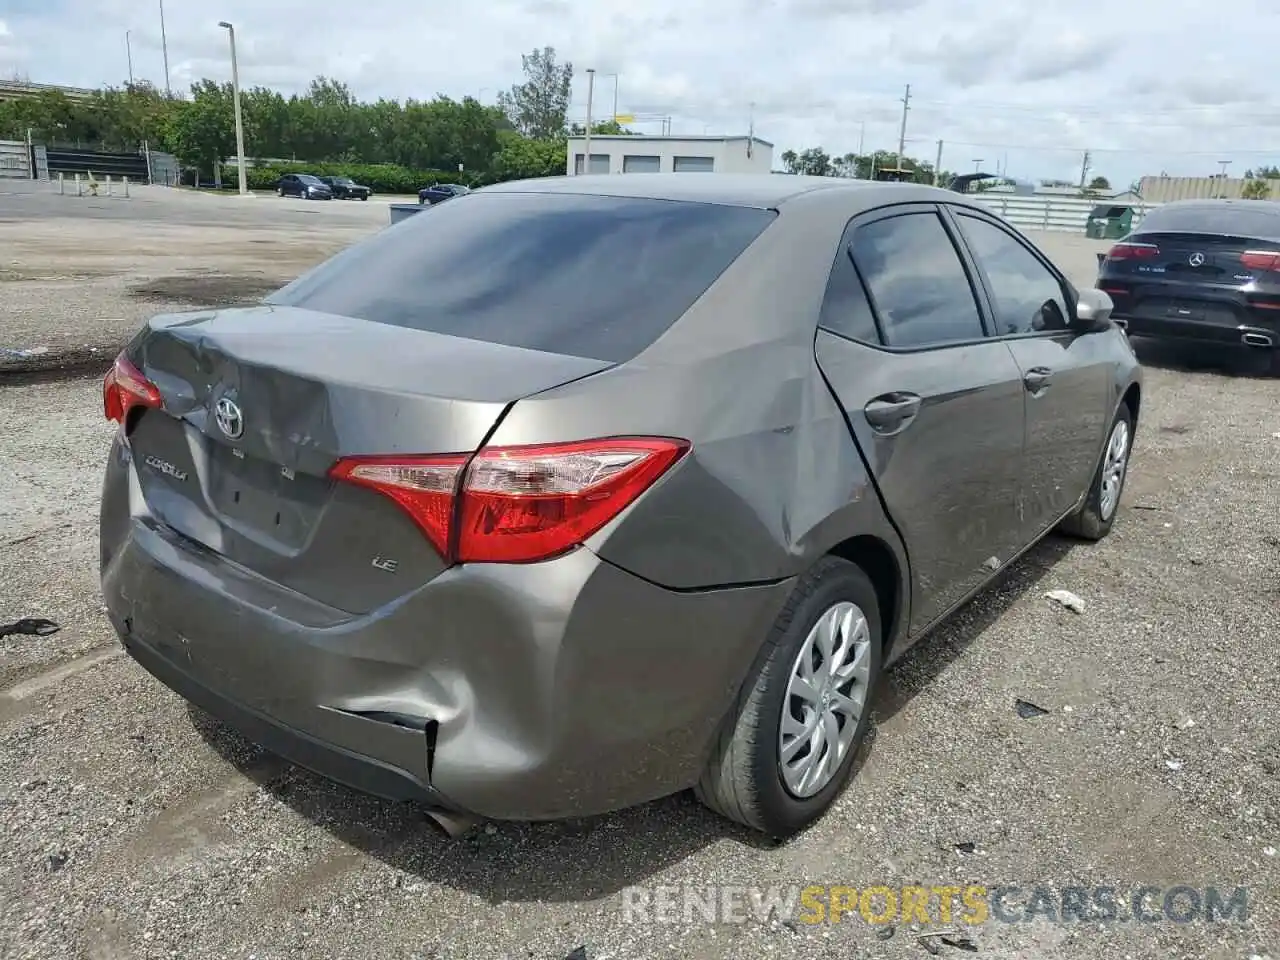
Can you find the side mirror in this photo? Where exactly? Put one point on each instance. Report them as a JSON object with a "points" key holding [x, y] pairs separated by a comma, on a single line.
{"points": [[1093, 310]]}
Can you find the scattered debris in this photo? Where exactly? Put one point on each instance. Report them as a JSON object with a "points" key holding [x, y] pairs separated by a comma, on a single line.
{"points": [[886, 933], [966, 846], [30, 627], [792, 925], [578, 953], [1185, 724], [1145, 506], [992, 563], [1268, 851], [1173, 764], [961, 943], [56, 860], [932, 947], [23, 354], [1028, 710], [1067, 599]]}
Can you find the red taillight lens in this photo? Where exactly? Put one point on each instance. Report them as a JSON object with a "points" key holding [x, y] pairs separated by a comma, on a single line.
{"points": [[1133, 251], [1261, 260], [124, 388], [518, 504], [423, 486]]}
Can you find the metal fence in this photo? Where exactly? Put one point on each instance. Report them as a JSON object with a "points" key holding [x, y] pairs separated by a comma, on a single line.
{"points": [[1064, 214], [15, 160]]}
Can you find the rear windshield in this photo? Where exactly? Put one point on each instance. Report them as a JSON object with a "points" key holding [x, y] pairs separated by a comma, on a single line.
{"points": [[1226, 219], [598, 277]]}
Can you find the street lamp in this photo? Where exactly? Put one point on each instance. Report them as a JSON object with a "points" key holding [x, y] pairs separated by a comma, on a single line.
{"points": [[235, 96]]}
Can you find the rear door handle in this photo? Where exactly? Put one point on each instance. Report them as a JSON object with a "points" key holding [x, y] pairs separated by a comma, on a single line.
{"points": [[1037, 378], [891, 412]]}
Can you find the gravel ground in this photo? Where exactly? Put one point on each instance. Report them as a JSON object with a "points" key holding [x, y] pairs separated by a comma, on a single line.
{"points": [[134, 827], [79, 274]]}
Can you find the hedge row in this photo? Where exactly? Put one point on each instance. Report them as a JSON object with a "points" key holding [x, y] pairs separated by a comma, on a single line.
{"points": [[380, 178]]}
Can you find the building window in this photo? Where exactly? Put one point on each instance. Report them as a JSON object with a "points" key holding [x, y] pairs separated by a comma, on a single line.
{"points": [[633, 164], [695, 164], [599, 163]]}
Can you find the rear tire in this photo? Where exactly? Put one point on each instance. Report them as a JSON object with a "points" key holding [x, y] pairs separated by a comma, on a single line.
{"points": [[1097, 515], [745, 778]]}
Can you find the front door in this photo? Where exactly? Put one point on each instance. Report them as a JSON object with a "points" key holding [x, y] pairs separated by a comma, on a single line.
{"points": [[1066, 374], [935, 404]]}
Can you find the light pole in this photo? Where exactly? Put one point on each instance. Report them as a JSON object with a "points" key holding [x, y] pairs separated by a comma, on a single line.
{"points": [[1223, 175], [235, 96], [164, 45], [586, 146], [977, 164], [128, 50]]}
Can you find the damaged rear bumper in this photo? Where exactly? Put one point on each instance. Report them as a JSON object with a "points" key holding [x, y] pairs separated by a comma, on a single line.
{"points": [[526, 692]]}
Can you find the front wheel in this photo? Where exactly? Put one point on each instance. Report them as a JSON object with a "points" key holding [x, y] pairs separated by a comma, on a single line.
{"points": [[1097, 515], [787, 749]]}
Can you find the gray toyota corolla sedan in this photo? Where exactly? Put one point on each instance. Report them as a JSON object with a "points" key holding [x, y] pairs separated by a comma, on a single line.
{"points": [[578, 492]]}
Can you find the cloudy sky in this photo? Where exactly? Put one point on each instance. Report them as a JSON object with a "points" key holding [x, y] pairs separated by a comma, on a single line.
{"points": [[1145, 86]]}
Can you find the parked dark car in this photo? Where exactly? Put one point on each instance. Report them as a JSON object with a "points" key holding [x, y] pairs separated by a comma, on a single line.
{"points": [[578, 493], [344, 188], [1205, 271], [439, 192], [303, 185]]}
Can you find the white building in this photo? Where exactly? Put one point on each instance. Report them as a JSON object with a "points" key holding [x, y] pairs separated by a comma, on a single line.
{"points": [[643, 154]]}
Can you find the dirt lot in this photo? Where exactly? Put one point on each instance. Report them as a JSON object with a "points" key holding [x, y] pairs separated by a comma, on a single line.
{"points": [[134, 827]]}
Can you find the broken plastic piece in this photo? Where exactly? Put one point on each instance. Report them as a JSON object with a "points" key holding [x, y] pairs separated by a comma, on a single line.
{"points": [[1028, 710], [30, 627], [1067, 599]]}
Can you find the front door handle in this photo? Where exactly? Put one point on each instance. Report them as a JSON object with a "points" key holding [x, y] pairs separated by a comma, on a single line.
{"points": [[890, 412], [1037, 378]]}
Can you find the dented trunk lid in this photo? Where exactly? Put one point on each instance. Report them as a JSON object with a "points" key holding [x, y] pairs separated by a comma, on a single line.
{"points": [[299, 390]]}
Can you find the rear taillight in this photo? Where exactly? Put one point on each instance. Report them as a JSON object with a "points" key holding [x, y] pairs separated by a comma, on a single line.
{"points": [[1129, 250], [1261, 260], [124, 388], [517, 504]]}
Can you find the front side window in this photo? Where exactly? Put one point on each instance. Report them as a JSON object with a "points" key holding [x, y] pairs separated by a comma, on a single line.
{"points": [[1027, 296], [917, 281]]}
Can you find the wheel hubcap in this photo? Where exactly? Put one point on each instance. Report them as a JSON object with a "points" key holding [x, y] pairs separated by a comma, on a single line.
{"points": [[1113, 466], [825, 699]]}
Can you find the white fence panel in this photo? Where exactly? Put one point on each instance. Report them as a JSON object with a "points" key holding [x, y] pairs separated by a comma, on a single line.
{"points": [[15, 160], [1065, 214]]}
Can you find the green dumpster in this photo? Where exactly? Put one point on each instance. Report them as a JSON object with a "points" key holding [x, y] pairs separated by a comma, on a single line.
{"points": [[1109, 222]]}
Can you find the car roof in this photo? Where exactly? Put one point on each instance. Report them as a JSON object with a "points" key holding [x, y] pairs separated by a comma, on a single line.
{"points": [[736, 189]]}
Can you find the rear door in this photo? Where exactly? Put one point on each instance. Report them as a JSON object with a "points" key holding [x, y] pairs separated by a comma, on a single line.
{"points": [[935, 404], [1066, 375]]}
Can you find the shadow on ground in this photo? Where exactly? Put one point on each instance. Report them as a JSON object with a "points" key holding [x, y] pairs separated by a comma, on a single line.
{"points": [[574, 860], [1204, 358]]}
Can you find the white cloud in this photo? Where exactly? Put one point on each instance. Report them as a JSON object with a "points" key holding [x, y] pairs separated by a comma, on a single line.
{"points": [[1145, 86]]}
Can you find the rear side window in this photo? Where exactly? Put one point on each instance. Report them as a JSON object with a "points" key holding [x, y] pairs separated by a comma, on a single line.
{"points": [[919, 286], [845, 308], [1228, 219], [598, 277]]}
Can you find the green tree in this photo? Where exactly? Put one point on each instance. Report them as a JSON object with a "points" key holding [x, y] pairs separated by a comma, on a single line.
{"points": [[1099, 183], [202, 131], [521, 157], [1256, 189], [539, 107]]}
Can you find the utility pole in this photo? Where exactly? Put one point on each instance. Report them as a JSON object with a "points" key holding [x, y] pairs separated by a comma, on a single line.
{"points": [[1084, 169], [902, 132], [862, 137], [751, 128], [128, 50], [937, 167], [235, 96], [164, 45], [586, 150]]}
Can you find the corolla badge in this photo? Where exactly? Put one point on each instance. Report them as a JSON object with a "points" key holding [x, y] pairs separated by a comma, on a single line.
{"points": [[1196, 260], [227, 415]]}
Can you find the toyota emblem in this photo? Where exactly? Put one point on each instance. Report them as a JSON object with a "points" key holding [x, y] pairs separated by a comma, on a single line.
{"points": [[227, 415], [1196, 259]]}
